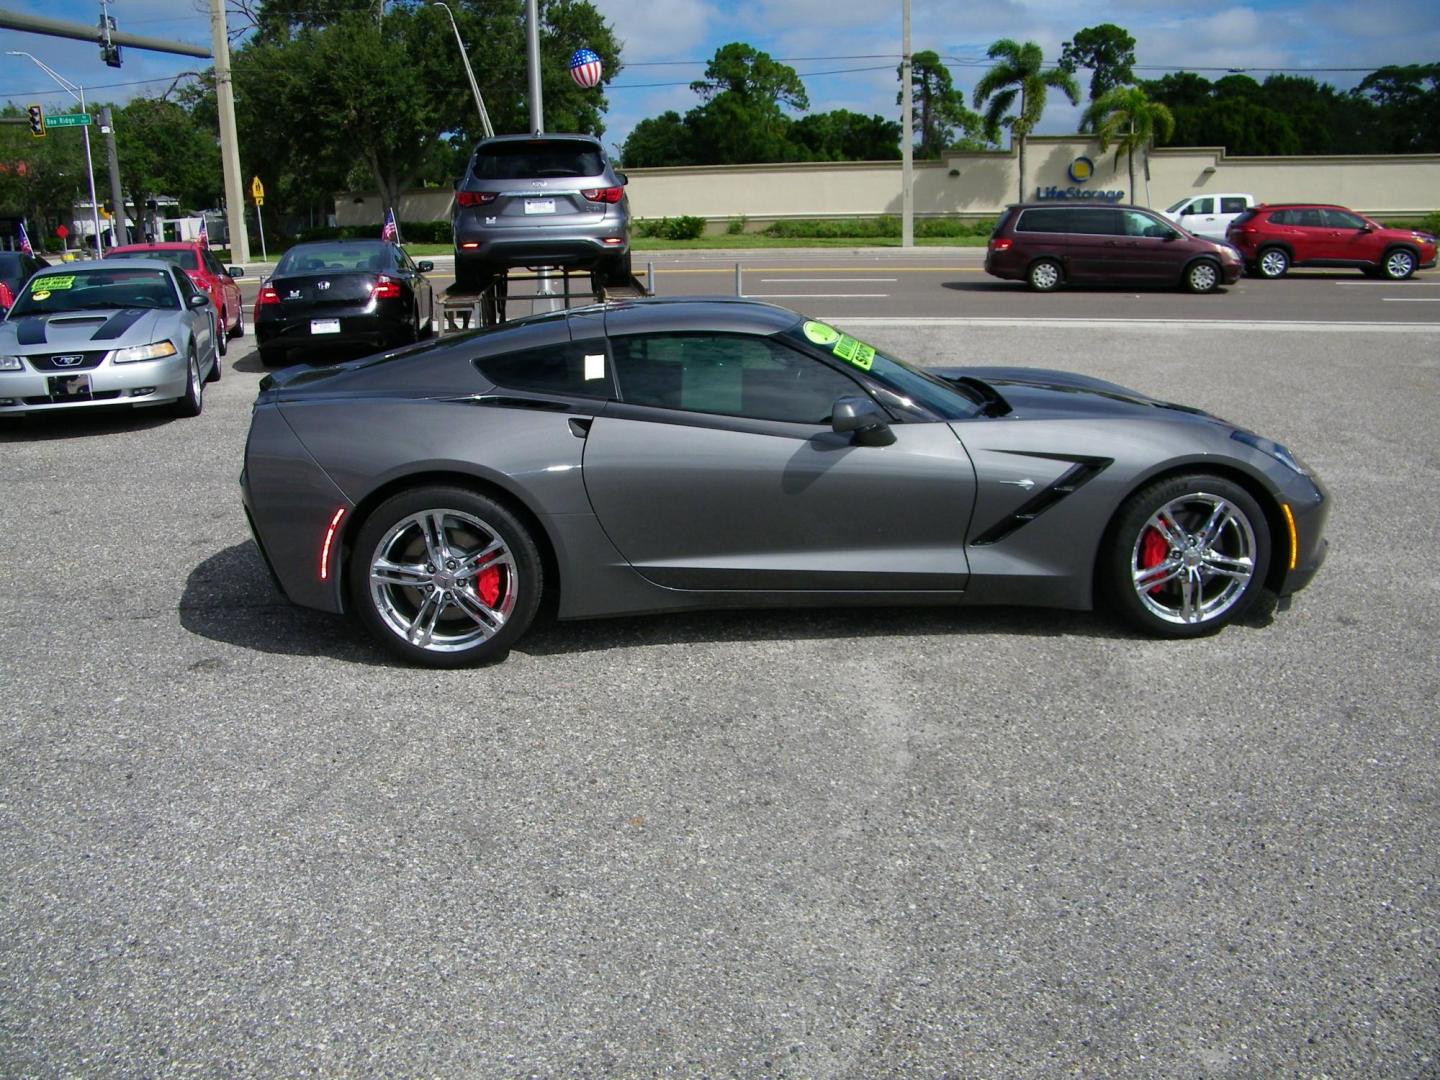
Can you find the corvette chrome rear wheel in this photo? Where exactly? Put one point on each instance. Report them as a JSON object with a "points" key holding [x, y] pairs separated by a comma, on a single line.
{"points": [[1188, 555], [445, 577]]}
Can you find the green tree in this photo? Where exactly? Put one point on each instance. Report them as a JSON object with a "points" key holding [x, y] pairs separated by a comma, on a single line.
{"points": [[164, 149], [1128, 120], [940, 107], [657, 141], [742, 119], [841, 135], [1107, 50], [1019, 73], [40, 179], [1407, 101], [752, 75]]}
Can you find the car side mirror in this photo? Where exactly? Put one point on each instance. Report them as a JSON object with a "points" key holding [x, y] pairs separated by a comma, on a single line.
{"points": [[425, 267], [235, 271], [1367, 228], [863, 417], [199, 301]]}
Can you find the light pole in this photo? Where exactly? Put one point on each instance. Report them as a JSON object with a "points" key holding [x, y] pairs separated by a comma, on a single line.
{"points": [[474, 86], [76, 91]]}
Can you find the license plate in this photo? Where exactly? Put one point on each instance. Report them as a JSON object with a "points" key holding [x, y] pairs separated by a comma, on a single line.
{"points": [[539, 206], [70, 387], [324, 326]]}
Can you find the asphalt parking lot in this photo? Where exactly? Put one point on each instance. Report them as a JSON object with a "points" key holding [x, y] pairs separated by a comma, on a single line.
{"points": [[239, 840]]}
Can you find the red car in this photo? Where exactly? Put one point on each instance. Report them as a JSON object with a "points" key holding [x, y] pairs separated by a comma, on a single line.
{"points": [[1273, 238], [205, 271]]}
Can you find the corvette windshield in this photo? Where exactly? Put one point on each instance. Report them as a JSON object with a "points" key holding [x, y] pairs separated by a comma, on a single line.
{"points": [[952, 401], [52, 293]]}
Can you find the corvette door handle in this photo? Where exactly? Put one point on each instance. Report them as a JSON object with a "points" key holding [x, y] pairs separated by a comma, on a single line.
{"points": [[580, 426]]}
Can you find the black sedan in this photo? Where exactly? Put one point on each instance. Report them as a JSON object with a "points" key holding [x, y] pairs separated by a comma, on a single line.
{"points": [[661, 455], [363, 294]]}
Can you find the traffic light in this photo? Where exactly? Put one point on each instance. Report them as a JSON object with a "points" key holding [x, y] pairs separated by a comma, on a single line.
{"points": [[108, 52], [37, 121]]}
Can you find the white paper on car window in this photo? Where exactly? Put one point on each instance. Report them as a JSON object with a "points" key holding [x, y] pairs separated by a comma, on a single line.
{"points": [[594, 366]]}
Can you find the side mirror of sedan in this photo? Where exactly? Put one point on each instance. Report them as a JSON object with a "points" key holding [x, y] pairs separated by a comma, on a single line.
{"points": [[199, 301], [862, 416], [425, 267], [235, 271]]}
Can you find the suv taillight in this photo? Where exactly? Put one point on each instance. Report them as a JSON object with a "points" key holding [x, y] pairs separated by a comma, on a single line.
{"points": [[268, 295], [385, 289], [604, 194], [475, 198], [1002, 244]]}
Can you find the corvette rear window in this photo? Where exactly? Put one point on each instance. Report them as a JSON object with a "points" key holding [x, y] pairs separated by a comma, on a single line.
{"points": [[538, 159], [569, 370]]}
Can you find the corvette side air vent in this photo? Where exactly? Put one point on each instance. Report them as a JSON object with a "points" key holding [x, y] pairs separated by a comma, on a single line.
{"points": [[1077, 476]]}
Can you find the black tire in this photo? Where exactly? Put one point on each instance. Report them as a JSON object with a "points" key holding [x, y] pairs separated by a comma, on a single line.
{"points": [[1151, 578], [1272, 262], [1202, 276], [193, 403], [215, 372], [1398, 264], [444, 617], [239, 330], [1044, 275], [222, 339]]}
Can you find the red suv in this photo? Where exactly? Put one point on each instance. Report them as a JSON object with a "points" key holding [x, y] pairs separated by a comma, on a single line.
{"points": [[206, 271], [1275, 238]]}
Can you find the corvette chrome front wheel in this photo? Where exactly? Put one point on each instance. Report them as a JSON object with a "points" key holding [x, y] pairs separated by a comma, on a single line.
{"points": [[1188, 556], [445, 576]]}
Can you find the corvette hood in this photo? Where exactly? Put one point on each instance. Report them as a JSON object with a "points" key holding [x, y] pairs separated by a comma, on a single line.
{"points": [[1041, 393], [80, 330]]}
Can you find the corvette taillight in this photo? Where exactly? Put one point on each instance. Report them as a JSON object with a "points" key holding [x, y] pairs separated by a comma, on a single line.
{"points": [[268, 295], [475, 198], [385, 289], [604, 194]]}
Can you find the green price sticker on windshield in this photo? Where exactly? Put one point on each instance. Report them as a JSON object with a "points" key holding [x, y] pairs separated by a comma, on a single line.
{"points": [[842, 345], [53, 284]]}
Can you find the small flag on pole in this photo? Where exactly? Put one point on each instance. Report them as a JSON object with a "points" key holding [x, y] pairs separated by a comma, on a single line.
{"points": [[391, 231], [204, 236], [25, 241]]}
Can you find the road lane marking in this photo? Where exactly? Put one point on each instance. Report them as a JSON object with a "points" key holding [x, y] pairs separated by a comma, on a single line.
{"points": [[1411, 299], [823, 280], [818, 296]]}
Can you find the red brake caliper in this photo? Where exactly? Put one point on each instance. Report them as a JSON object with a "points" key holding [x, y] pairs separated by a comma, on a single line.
{"points": [[487, 585], [1153, 550]]}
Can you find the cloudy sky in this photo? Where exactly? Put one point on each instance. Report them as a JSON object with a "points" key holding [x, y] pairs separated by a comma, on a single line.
{"points": [[846, 50]]}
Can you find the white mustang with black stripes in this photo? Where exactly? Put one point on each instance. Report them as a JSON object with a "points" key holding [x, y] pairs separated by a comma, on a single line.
{"points": [[119, 332]]}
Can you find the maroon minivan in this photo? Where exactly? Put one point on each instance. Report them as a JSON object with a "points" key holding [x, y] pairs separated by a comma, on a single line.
{"points": [[1049, 244]]}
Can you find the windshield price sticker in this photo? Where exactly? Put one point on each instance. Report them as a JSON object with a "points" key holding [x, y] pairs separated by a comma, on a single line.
{"points": [[52, 284], [844, 346]]}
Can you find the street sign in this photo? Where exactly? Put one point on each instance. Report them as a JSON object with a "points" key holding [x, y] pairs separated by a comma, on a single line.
{"points": [[257, 189], [78, 119]]}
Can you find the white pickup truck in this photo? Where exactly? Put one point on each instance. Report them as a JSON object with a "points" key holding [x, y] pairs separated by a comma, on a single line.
{"points": [[1209, 215]]}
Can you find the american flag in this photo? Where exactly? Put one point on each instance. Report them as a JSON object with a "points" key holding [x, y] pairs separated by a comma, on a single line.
{"points": [[585, 67], [25, 241], [391, 231], [204, 236]]}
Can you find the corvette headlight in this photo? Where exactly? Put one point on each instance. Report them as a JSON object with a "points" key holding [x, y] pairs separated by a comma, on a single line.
{"points": [[157, 350], [11, 363], [1274, 449]]}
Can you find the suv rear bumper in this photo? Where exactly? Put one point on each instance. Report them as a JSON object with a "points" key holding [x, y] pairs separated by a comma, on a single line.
{"points": [[582, 246]]}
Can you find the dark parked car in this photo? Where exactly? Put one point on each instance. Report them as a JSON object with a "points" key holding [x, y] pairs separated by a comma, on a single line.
{"points": [[366, 293], [16, 268], [662, 455], [540, 200], [1274, 238], [1051, 244]]}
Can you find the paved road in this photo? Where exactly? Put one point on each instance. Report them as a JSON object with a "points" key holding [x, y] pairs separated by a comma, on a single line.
{"points": [[236, 840]]}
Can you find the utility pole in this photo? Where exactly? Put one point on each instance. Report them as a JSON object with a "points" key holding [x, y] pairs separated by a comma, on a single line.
{"points": [[229, 142], [907, 138], [532, 48], [107, 128]]}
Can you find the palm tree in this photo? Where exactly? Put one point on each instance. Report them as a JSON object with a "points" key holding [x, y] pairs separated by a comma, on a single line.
{"points": [[1126, 118], [1020, 73]]}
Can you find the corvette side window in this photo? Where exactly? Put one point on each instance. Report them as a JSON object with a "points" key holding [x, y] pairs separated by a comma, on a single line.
{"points": [[572, 370], [730, 374]]}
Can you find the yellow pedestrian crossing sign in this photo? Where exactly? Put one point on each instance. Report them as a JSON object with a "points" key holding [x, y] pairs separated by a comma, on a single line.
{"points": [[257, 191]]}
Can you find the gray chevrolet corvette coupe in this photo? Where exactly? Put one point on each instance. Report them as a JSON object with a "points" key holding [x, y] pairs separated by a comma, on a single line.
{"points": [[117, 332], [662, 455]]}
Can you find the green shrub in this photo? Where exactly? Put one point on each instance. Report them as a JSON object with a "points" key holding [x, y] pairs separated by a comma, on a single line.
{"points": [[735, 226], [685, 227]]}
